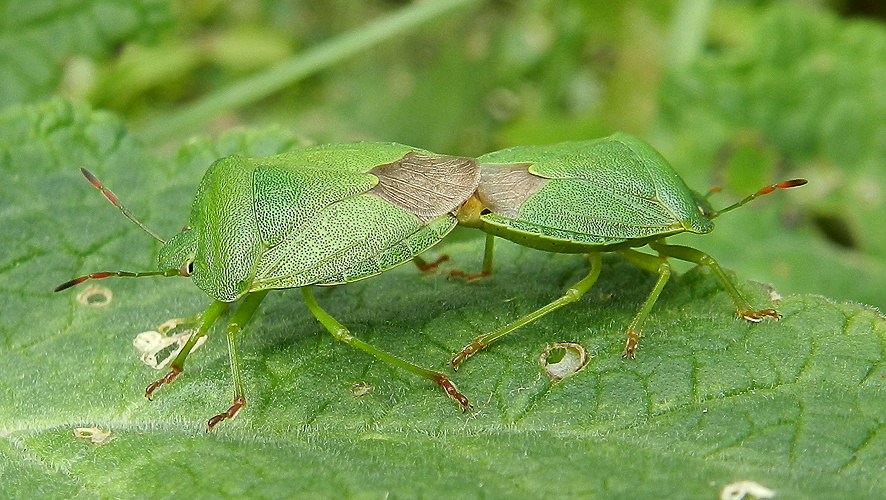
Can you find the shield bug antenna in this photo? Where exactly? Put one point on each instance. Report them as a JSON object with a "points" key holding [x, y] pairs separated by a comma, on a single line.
{"points": [[119, 274], [766, 190], [112, 198]]}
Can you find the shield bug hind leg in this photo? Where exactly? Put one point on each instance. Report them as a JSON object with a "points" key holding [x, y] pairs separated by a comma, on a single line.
{"points": [[573, 294], [653, 264], [344, 335], [486, 270], [427, 267], [742, 306]]}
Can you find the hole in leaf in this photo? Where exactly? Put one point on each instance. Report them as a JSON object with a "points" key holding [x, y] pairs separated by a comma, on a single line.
{"points": [[95, 296], [94, 435], [360, 389], [745, 489], [563, 359], [159, 348]]}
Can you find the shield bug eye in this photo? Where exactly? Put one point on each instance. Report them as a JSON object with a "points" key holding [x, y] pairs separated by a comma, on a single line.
{"points": [[186, 228], [187, 268]]}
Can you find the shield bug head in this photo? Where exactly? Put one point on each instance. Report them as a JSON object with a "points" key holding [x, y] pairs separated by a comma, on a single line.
{"points": [[180, 252], [224, 279]]}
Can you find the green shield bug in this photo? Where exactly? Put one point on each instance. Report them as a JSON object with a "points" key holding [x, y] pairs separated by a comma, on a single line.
{"points": [[324, 215], [605, 195]]}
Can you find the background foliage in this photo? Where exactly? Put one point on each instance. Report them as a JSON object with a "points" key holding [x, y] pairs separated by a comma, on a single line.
{"points": [[738, 94]]}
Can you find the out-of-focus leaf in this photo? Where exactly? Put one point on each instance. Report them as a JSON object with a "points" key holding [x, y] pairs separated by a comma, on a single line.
{"points": [[38, 37]]}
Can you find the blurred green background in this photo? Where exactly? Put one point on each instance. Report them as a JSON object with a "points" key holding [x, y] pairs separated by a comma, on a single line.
{"points": [[735, 93]]}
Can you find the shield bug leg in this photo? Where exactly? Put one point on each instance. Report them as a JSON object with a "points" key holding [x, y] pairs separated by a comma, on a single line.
{"points": [[228, 415], [742, 307], [177, 366], [239, 320], [341, 333], [574, 293], [486, 270], [425, 266], [654, 264]]}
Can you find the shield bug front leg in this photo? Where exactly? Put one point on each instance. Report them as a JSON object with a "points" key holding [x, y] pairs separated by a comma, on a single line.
{"points": [[653, 264], [742, 308], [238, 321], [207, 320]]}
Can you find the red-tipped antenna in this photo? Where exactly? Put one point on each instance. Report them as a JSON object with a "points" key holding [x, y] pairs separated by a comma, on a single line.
{"points": [[121, 274], [714, 190], [116, 202], [765, 190]]}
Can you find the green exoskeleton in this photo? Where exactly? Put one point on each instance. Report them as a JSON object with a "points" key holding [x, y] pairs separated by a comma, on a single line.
{"points": [[605, 195], [323, 215]]}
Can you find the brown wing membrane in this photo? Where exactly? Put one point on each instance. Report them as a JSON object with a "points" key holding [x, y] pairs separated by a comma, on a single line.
{"points": [[505, 187], [428, 186]]}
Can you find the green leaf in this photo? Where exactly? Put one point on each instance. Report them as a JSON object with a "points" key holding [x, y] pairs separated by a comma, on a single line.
{"points": [[795, 405], [38, 37]]}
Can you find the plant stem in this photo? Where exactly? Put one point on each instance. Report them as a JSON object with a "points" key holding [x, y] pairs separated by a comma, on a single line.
{"points": [[279, 76], [688, 31]]}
